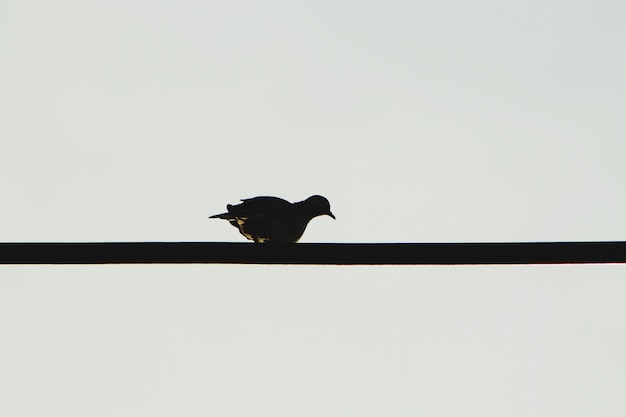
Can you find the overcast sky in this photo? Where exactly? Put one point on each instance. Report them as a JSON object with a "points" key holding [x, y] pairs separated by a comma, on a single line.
{"points": [[420, 122]]}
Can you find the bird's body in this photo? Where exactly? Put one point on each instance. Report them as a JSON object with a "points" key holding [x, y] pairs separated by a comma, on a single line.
{"points": [[272, 219]]}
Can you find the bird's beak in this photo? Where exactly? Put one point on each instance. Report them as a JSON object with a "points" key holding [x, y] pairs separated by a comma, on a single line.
{"points": [[331, 215]]}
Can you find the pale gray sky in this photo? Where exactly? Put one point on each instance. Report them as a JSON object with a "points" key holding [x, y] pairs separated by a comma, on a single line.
{"points": [[420, 121]]}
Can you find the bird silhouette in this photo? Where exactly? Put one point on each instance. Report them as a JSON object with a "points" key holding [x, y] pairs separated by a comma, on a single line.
{"points": [[272, 219]]}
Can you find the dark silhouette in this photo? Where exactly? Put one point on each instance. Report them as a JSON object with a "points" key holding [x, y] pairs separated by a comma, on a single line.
{"points": [[272, 219], [502, 253]]}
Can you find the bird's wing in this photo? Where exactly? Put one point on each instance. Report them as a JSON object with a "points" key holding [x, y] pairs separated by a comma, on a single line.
{"points": [[261, 207], [257, 207]]}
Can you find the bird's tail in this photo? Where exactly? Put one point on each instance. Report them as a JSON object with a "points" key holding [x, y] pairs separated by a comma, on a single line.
{"points": [[224, 216]]}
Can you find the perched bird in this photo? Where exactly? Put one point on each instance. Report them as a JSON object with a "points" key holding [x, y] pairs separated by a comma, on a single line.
{"points": [[272, 219]]}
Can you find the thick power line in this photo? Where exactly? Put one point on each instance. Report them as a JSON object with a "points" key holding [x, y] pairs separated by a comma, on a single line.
{"points": [[313, 253]]}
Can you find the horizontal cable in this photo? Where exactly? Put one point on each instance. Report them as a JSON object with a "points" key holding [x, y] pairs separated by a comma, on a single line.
{"points": [[313, 253]]}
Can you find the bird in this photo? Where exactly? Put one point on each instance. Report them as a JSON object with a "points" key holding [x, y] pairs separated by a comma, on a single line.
{"points": [[271, 219]]}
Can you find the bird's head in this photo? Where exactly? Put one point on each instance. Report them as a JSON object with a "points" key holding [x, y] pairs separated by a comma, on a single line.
{"points": [[318, 206]]}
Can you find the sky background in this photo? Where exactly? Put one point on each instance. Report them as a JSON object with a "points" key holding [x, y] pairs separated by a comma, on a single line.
{"points": [[420, 122]]}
